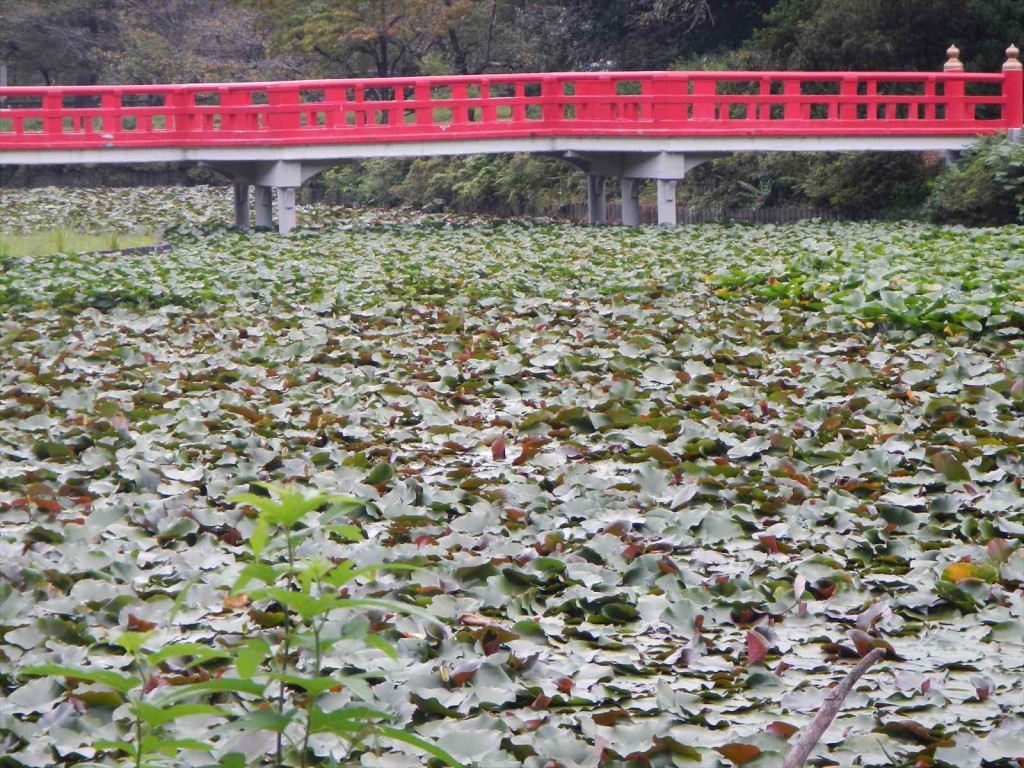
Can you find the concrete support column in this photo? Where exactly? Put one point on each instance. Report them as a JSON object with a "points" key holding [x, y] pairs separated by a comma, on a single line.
{"points": [[264, 207], [285, 209], [667, 202], [630, 201], [241, 206], [597, 205]]}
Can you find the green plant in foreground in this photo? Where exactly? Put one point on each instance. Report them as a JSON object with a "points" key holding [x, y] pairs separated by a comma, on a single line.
{"points": [[275, 676]]}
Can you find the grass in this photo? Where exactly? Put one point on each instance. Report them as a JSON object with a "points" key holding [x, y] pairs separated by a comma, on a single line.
{"points": [[62, 240]]}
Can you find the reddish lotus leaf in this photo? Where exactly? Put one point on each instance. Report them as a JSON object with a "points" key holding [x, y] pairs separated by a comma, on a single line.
{"points": [[564, 685], [530, 448], [824, 588], [43, 497], [541, 702], [135, 624], [233, 602], [757, 647], [983, 687], [665, 565], [781, 729], [498, 449], [632, 551], [152, 683], [738, 753], [463, 673], [232, 537], [610, 718], [862, 641]]}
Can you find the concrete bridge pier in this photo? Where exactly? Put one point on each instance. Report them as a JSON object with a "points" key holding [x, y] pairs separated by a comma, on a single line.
{"points": [[282, 175], [597, 198], [630, 190], [264, 207], [667, 216], [241, 193], [666, 168], [285, 209]]}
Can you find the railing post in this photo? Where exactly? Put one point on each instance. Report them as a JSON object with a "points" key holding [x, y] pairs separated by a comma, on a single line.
{"points": [[705, 108], [424, 112], [110, 103], [593, 98], [181, 103], [552, 90], [232, 116], [460, 112], [954, 89], [488, 111], [279, 116], [792, 109], [53, 102], [1013, 92], [669, 99], [334, 99], [847, 96]]}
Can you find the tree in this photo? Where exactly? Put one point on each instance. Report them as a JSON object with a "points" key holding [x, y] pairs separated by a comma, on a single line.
{"points": [[653, 34], [386, 38], [55, 41], [884, 35], [172, 41]]}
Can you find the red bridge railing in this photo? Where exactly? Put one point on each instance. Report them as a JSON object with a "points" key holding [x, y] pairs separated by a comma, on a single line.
{"points": [[496, 106]]}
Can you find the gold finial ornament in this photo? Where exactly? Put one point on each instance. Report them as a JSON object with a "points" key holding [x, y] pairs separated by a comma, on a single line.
{"points": [[953, 64], [1012, 58]]}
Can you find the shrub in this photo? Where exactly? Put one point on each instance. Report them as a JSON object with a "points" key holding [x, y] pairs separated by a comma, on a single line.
{"points": [[864, 183], [985, 188], [502, 184], [894, 184]]}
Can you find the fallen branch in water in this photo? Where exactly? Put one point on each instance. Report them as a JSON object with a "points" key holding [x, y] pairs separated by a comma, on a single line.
{"points": [[829, 709]]}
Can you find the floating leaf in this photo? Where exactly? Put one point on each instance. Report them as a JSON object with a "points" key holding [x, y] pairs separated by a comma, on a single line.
{"points": [[739, 753], [957, 572]]}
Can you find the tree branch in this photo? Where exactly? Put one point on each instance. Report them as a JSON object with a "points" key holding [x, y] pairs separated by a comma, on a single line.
{"points": [[829, 709]]}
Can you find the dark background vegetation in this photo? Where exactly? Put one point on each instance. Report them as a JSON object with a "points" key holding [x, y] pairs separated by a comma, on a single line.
{"points": [[150, 41]]}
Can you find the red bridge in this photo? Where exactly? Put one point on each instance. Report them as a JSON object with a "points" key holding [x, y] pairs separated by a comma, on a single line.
{"points": [[633, 125]]}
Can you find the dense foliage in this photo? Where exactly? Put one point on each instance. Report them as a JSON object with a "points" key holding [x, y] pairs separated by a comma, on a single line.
{"points": [[985, 187], [659, 489]]}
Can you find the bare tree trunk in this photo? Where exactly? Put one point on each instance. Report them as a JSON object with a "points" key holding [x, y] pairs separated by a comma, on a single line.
{"points": [[829, 709]]}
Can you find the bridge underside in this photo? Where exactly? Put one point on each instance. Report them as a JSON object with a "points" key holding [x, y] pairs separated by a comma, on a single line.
{"points": [[665, 160]]}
